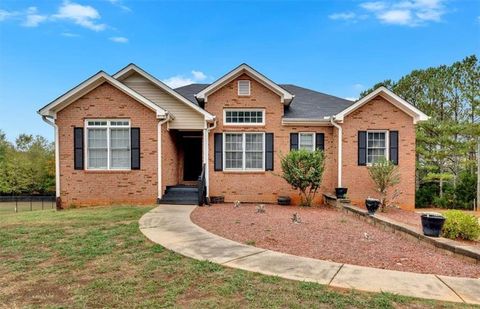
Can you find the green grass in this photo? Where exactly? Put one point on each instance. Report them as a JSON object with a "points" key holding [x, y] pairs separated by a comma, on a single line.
{"points": [[97, 257]]}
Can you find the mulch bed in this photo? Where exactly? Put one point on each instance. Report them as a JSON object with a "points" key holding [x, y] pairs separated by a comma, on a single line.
{"points": [[328, 234]]}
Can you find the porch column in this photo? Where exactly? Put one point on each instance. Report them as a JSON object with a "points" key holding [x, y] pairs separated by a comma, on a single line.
{"points": [[205, 160]]}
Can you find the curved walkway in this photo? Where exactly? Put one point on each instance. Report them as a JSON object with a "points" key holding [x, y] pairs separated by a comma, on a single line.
{"points": [[171, 227]]}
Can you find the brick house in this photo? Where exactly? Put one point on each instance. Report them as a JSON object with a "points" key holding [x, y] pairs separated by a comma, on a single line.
{"points": [[129, 138]]}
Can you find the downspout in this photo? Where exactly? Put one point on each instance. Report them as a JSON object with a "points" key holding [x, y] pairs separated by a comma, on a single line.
{"points": [[339, 159], [57, 159], [159, 157], [207, 173]]}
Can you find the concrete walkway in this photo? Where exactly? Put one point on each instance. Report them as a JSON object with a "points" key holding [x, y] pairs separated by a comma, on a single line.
{"points": [[171, 227]]}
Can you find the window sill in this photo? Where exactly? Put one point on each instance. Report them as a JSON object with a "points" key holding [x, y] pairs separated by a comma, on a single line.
{"points": [[107, 171], [244, 172]]}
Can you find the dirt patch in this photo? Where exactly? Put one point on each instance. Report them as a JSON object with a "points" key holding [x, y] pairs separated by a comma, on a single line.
{"points": [[328, 234]]}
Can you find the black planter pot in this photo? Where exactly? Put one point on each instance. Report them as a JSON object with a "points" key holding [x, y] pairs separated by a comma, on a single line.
{"points": [[432, 224], [284, 200], [340, 192], [372, 205]]}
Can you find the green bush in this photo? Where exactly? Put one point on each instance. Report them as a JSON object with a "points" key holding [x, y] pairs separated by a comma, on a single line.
{"points": [[460, 225], [425, 195], [303, 170]]}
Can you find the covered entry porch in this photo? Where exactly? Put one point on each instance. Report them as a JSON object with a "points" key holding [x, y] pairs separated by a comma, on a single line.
{"points": [[183, 163]]}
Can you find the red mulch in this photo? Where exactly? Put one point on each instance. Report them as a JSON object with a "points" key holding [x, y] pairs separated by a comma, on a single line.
{"points": [[328, 234]]}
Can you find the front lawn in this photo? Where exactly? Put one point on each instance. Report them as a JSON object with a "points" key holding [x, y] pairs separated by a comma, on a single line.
{"points": [[97, 257]]}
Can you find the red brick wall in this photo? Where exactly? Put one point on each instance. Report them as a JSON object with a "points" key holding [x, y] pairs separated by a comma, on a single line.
{"points": [[82, 187], [375, 115], [170, 158], [260, 186]]}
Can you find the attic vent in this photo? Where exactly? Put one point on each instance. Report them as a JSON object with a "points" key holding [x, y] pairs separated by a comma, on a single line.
{"points": [[243, 87]]}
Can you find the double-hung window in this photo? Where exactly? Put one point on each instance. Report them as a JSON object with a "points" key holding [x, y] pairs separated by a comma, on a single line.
{"points": [[306, 141], [108, 144], [244, 117], [377, 143], [244, 151]]}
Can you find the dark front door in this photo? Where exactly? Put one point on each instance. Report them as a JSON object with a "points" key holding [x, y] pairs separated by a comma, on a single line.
{"points": [[192, 158]]}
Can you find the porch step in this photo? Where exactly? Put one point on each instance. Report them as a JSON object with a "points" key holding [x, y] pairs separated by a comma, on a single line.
{"points": [[180, 195]]}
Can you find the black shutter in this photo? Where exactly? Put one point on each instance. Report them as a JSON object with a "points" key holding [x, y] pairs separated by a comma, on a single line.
{"points": [[218, 148], [135, 148], [78, 162], [393, 140], [362, 147], [293, 141], [320, 141], [269, 146]]}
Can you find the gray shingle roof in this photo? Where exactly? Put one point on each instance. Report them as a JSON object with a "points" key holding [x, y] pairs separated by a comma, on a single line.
{"points": [[307, 104]]}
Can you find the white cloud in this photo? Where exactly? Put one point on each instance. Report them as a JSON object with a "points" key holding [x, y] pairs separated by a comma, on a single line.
{"points": [[82, 15], [358, 87], [342, 16], [396, 17], [119, 4], [32, 19], [181, 80], [373, 6], [351, 98], [69, 34], [198, 76], [119, 39], [6, 14], [410, 13]]}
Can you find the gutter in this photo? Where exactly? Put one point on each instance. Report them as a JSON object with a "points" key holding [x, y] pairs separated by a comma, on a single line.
{"points": [[339, 156], [159, 156], [206, 137], [57, 157]]}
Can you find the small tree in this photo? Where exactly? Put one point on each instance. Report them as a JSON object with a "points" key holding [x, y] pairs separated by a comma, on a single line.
{"points": [[304, 170], [385, 175]]}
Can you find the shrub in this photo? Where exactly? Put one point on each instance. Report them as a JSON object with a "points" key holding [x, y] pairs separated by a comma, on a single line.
{"points": [[304, 170], [385, 175], [460, 225], [425, 195]]}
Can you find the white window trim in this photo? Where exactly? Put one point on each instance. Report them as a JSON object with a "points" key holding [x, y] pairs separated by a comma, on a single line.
{"points": [[243, 124], [249, 88], [387, 145], [244, 158], [314, 146], [108, 127]]}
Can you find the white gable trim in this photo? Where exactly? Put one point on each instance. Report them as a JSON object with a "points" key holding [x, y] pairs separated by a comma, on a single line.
{"points": [[285, 96], [391, 97], [96, 80], [133, 68]]}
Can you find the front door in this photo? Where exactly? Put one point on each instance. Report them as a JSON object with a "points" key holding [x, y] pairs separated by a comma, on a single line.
{"points": [[192, 157]]}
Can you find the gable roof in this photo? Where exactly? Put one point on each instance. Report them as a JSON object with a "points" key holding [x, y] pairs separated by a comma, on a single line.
{"points": [[285, 96], [307, 104], [403, 105], [133, 68], [88, 85]]}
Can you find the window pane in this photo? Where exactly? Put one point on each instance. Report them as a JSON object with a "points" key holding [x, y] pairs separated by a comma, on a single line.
{"points": [[234, 151], [243, 116], [306, 141], [97, 148], [120, 148], [253, 150]]}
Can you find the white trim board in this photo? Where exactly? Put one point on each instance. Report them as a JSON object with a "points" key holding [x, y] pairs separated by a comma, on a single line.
{"points": [[88, 85], [133, 68], [391, 97], [285, 96]]}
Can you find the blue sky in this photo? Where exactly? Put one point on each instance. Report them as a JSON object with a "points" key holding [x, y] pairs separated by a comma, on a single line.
{"points": [[337, 47]]}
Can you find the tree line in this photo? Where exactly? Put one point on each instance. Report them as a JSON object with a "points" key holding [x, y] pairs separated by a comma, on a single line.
{"points": [[447, 143], [26, 166]]}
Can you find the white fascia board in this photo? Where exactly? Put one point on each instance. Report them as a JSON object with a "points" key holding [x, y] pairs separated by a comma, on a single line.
{"points": [[285, 96], [133, 68], [63, 101], [306, 122], [391, 97]]}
